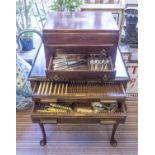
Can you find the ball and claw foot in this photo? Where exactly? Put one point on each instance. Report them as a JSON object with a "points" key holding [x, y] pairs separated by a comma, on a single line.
{"points": [[113, 143], [43, 142]]}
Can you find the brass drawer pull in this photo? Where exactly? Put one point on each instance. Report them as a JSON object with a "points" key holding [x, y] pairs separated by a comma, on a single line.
{"points": [[108, 101], [48, 121], [48, 100], [108, 122]]}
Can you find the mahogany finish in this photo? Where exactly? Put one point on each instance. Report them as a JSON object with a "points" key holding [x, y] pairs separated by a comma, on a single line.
{"points": [[83, 29], [85, 33], [81, 21]]}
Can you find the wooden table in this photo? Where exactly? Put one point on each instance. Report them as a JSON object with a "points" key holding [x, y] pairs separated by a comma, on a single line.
{"points": [[86, 33]]}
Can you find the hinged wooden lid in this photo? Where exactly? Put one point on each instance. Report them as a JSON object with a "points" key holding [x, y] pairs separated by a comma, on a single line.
{"points": [[81, 21]]}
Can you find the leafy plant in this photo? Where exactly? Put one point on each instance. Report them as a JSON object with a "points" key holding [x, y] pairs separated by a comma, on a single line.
{"points": [[23, 12], [66, 5], [72, 5], [58, 5], [23, 15]]}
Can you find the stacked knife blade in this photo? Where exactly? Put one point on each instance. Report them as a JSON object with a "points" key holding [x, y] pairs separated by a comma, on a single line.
{"points": [[70, 62], [98, 62]]}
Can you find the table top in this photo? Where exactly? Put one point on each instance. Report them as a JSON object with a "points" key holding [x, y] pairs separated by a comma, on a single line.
{"points": [[38, 69], [81, 21]]}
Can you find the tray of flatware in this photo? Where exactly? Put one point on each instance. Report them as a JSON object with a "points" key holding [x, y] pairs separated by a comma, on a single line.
{"points": [[70, 62], [104, 107], [79, 66]]}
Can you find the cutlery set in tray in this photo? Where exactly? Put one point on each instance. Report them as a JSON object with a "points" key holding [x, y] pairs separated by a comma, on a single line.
{"points": [[93, 62], [93, 107], [80, 66]]}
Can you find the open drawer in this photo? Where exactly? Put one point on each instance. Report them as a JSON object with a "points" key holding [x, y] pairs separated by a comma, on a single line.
{"points": [[80, 67], [78, 112], [77, 90]]}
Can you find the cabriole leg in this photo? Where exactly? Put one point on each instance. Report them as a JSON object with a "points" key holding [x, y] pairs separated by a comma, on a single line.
{"points": [[43, 141], [113, 142]]}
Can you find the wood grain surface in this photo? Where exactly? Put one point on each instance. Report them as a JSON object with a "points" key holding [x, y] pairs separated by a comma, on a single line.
{"points": [[77, 139]]}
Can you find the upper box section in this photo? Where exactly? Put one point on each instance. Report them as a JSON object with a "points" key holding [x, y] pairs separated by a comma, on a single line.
{"points": [[81, 21], [80, 31]]}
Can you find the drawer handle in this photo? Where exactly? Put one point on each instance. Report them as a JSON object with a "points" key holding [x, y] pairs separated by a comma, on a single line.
{"points": [[56, 78], [108, 101], [48, 121], [48, 100], [107, 122], [105, 77]]}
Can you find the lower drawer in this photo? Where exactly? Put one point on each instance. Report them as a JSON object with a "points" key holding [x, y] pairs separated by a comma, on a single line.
{"points": [[103, 121], [81, 121], [38, 115]]}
